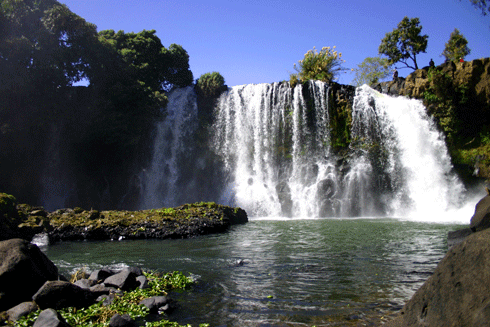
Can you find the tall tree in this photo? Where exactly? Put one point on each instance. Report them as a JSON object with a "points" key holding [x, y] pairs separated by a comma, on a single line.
{"points": [[457, 47], [404, 43], [371, 71], [483, 5]]}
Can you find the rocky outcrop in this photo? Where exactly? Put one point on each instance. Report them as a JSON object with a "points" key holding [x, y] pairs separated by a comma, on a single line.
{"points": [[458, 293], [23, 270], [481, 218], [189, 220]]}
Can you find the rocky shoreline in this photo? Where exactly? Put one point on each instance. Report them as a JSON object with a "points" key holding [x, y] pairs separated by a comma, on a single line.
{"points": [[189, 220], [457, 293]]}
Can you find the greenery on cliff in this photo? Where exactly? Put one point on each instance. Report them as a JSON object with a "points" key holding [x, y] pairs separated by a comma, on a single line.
{"points": [[104, 128]]}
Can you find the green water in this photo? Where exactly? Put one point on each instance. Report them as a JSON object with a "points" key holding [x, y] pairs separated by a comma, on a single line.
{"points": [[282, 272]]}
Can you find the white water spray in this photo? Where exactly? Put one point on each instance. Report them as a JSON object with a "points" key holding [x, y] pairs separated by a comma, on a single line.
{"points": [[161, 180]]}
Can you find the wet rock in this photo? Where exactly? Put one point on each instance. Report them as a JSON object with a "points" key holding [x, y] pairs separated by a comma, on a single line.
{"points": [[23, 270], [124, 280], [50, 318], [100, 274], [60, 294], [158, 304], [458, 292], [21, 310], [481, 217], [121, 321]]}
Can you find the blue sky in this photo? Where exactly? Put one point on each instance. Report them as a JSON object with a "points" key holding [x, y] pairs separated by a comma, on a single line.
{"points": [[251, 41]]}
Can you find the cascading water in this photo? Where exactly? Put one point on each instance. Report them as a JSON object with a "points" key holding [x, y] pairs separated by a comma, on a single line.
{"points": [[274, 141], [415, 160], [161, 180]]}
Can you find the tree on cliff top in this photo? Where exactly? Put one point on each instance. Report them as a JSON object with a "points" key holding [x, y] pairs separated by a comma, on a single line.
{"points": [[371, 71], [457, 47], [322, 66], [404, 43]]}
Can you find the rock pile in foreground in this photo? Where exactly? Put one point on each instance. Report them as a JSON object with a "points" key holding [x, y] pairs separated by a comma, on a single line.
{"points": [[458, 292], [29, 281]]}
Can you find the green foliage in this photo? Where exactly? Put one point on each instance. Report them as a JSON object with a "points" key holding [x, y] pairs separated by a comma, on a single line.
{"points": [[372, 71], [98, 315], [457, 47], [482, 5], [445, 102], [323, 66], [404, 43], [210, 85]]}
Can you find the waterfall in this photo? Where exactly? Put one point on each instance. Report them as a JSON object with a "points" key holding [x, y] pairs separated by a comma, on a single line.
{"points": [[274, 142], [161, 184], [416, 159], [275, 159]]}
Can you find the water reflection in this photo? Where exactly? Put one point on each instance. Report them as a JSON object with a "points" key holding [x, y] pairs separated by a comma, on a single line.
{"points": [[289, 272]]}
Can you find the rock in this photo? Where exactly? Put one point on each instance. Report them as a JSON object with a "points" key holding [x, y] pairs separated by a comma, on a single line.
{"points": [[157, 304], [143, 282], [457, 236], [60, 294], [21, 310], [458, 293], [50, 318], [481, 217], [101, 289], [85, 283], [101, 274], [124, 280], [121, 321], [23, 270]]}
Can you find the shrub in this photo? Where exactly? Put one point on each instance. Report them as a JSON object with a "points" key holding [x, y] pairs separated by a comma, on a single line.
{"points": [[210, 85], [323, 66]]}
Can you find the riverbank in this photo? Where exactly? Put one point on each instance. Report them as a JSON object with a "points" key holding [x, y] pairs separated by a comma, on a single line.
{"points": [[185, 221]]}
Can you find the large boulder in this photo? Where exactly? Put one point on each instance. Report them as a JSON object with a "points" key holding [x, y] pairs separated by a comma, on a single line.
{"points": [[458, 293], [481, 218], [23, 270], [61, 294]]}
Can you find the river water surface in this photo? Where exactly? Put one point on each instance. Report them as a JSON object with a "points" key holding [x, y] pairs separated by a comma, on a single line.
{"points": [[289, 272]]}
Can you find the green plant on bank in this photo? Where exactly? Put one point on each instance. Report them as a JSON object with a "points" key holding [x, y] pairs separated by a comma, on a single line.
{"points": [[372, 71], [98, 315], [323, 65]]}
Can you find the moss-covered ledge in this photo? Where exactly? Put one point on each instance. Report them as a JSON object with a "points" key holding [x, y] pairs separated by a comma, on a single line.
{"points": [[185, 221]]}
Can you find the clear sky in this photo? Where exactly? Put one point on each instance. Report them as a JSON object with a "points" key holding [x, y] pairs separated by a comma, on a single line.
{"points": [[258, 41]]}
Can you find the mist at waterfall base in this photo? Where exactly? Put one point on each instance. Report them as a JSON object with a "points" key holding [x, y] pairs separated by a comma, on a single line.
{"points": [[273, 144]]}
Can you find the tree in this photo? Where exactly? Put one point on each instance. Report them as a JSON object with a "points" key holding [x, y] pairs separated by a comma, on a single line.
{"points": [[323, 66], [371, 71], [482, 5], [457, 47], [404, 43], [210, 84]]}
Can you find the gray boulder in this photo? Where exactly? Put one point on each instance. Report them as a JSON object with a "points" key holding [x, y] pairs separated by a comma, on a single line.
{"points": [[23, 270], [21, 310], [124, 280], [121, 321], [100, 274], [158, 304], [458, 293], [50, 318], [481, 218], [60, 294]]}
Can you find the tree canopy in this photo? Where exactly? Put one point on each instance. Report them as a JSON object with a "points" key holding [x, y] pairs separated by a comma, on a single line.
{"points": [[323, 65], [457, 47], [483, 5], [404, 43], [371, 71]]}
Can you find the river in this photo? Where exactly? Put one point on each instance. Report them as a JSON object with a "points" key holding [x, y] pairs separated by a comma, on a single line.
{"points": [[283, 272]]}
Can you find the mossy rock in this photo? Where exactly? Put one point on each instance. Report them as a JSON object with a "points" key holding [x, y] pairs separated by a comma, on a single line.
{"points": [[7, 204]]}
